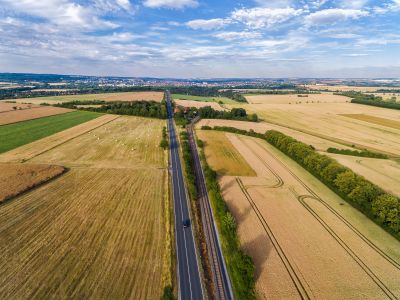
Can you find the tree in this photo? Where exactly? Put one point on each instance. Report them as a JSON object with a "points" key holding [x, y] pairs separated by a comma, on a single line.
{"points": [[387, 208], [164, 144], [346, 182]]}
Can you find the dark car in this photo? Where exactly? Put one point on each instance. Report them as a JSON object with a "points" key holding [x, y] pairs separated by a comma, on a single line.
{"points": [[186, 223]]}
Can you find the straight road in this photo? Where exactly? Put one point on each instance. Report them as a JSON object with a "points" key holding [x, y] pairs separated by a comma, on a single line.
{"points": [[189, 279], [222, 288]]}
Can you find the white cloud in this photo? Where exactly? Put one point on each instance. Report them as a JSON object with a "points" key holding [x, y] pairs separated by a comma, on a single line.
{"points": [[344, 36], [333, 15], [234, 35], [264, 17], [176, 4], [274, 3], [353, 4], [207, 24], [59, 12]]}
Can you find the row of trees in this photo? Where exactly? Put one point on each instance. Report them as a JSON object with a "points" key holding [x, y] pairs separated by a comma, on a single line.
{"points": [[362, 153], [150, 109], [164, 140], [240, 265], [370, 99], [378, 205], [234, 114]]}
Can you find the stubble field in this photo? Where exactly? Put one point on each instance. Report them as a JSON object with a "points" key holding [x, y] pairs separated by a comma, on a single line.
{"points": [[305, 241], [295, 98], [99, 230], [30, 114], [198, 104]]}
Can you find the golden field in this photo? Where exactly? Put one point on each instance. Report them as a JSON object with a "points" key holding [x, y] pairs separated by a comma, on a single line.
{"points": [[98, 231]]}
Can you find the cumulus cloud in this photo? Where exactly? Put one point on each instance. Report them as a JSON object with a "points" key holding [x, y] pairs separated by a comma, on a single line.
{"points": [[59, 12], [260, 17], [175, 4], [235, 35], [354, 4], [333, 15], [207, 24]]}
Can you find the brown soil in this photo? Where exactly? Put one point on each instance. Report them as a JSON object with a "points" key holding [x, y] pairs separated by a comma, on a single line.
{"points": [[29, 114], [18, 178], [6, 106]]}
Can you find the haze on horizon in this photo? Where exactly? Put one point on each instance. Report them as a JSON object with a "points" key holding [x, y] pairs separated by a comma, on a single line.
{"points": [[202, 38]]}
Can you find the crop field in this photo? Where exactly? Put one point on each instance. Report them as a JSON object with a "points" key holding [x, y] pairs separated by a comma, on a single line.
{"points": [[127, 96], [345, 88], [306, 242], [21, 133], [18, 178], [222, 156], [261, 127], [326, 121], [198, 104], [8, 106], [224, 100], [383, 172], [30, 114], [375, 120], [97, 231], [294, 98]]}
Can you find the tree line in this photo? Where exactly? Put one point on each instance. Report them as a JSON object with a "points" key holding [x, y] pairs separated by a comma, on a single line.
{"points": [[381, 207], [362, 153], [208, 112], [150, 109], [369, 99]]}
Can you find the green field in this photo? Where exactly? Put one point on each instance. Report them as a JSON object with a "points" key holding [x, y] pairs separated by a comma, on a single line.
{"points": [[224, 100], [21, 133]]}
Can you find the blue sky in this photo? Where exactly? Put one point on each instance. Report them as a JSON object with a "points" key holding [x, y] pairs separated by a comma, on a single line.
{"points": [[202, 38]]}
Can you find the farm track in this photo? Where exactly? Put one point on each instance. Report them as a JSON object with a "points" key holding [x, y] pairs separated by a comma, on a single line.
{"points": [[301, 198]]}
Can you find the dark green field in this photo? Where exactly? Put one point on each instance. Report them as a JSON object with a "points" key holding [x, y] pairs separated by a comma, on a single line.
{"points": [[21, 133]]}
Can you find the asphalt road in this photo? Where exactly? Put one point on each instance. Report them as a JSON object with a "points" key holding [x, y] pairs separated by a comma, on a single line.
{"points": [[189, 279]]}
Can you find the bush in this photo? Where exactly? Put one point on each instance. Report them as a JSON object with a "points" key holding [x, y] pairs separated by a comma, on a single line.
{"points": [[362, 153]]}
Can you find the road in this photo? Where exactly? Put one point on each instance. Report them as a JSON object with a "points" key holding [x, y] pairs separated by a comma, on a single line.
{"points": [[222, 288], [189, 279]]}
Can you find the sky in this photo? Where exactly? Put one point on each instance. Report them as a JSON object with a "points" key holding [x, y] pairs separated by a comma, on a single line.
{"points": [[202, 38]]}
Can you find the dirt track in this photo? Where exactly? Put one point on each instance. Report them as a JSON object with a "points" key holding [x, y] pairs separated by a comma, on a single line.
{"points": [[303, 244]]}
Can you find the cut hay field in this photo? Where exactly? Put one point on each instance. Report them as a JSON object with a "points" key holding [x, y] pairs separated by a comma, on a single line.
{"points": [[127, 96], [305, 241], [198, 104], [224, 100], [325, 120], [30, 114], [21, 133], [97, 231], [18, 178], [222, 156], [294, 98]]}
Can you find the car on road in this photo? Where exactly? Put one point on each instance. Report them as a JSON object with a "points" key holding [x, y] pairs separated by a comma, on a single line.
{"points": [[186, 223]]}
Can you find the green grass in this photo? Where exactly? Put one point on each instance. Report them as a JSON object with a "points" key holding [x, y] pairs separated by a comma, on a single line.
{"points": [[21, 133], [225, 100]]}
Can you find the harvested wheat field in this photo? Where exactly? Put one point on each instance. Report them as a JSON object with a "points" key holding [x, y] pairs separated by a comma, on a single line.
{"points": [[198, 104], [325, 120], [383, 172], [306, 242], [99, 230], [8, 106], [29, 114], [346, 88], [127, 96], [222, 156], [320, 144], [296, 98], [18, 178], [375, 120]]}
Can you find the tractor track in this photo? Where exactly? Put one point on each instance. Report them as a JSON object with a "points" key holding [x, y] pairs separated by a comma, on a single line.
{"points": [[314, 196]]}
